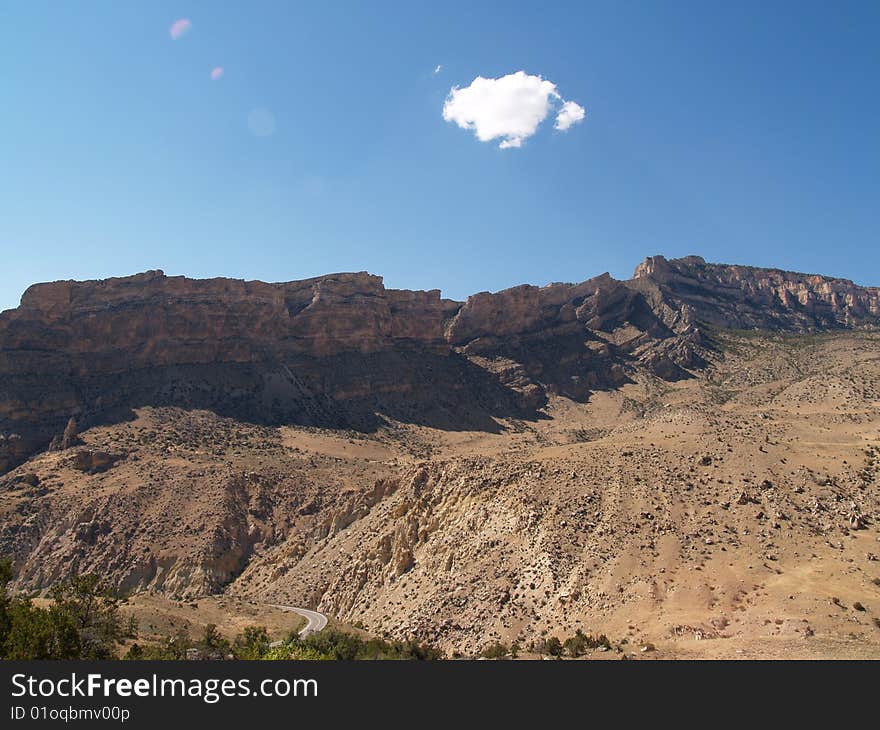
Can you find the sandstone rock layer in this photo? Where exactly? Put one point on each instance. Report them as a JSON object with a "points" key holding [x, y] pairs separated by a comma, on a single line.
{"points": [[343, 351]]}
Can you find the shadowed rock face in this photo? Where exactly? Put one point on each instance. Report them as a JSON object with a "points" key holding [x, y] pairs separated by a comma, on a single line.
{"points": [[96, 349], [343, 351]]}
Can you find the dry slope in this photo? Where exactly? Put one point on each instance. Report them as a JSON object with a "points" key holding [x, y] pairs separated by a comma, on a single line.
{"points": [[731, 514]]}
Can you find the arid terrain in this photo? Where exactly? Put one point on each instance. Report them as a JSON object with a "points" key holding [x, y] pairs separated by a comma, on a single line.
{"points": [[672, 465]]}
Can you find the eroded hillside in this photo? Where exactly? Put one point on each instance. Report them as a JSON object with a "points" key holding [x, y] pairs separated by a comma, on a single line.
{"points": [[730, 514]]}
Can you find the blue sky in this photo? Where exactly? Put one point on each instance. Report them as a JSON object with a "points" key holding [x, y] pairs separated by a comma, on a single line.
{"points": [[744, 132]]}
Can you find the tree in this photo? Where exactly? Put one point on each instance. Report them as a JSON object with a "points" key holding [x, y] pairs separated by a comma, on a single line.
{"points": [[29, 632], [95, 613], [38, 633], [5, 601], [213, 644], [339, 645], [252, 643]]}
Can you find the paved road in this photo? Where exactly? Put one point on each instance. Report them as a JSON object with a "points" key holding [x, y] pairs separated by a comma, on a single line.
{"points": [[314, 621]]}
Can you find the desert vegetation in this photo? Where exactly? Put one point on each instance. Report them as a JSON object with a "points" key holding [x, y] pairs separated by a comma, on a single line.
{"points": [[83, 621]]}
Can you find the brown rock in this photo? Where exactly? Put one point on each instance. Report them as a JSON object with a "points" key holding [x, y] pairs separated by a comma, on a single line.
{"points": [[93, 462], [69, 437], [336, 350]]}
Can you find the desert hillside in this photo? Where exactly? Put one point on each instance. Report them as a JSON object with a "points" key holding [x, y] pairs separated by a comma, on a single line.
{"points": [[688, 459]]}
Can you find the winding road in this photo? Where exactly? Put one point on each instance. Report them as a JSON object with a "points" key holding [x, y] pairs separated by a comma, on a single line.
{"points": [[314, 621]]}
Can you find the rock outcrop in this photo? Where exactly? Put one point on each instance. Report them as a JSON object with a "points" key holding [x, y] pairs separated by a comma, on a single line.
{"points": [[745, 297], [343, 351]]}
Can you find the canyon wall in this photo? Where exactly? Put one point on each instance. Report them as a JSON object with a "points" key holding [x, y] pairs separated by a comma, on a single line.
{"points": [[343, 351]]}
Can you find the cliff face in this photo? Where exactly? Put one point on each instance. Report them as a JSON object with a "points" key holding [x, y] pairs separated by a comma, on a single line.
{"points": [[94, 349], [342, 350], [744, 297], [157, 320]]}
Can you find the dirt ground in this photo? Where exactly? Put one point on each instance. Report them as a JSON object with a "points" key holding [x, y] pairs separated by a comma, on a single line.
{"points": [[159, 617]]}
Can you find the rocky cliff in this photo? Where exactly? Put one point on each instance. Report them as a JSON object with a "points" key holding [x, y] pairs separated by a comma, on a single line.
{"points": [[745, 297], [343, 351]]}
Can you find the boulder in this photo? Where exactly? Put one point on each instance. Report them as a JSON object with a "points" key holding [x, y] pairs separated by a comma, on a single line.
{"points": [[93, 461]]}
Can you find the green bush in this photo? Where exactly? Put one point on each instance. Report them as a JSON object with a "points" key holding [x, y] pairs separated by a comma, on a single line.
{"points": [[213, 645], [581, 643], [553, 646], [294, 651], [344, 646], [252, 643], [94, 612], [82, 622], [36, 633], [495, 651], [174, 647]]}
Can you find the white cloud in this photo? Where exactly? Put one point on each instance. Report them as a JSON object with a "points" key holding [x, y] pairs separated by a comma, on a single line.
{"points": [[571, 113], [510, 108], [438, 68]]}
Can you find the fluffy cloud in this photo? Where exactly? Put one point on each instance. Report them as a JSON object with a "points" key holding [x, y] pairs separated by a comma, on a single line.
{"points": [[510, 108], [571, 113]]}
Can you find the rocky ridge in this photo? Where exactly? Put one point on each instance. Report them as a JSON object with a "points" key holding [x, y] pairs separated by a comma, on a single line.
{"points": [[343, 351], [686, 460]]}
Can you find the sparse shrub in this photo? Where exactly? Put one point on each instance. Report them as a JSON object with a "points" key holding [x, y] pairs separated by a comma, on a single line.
{"points": [[553, 646], [295, 651], [172, 648], [580, 643], [495, 651], [344, 646], [576, 645]]}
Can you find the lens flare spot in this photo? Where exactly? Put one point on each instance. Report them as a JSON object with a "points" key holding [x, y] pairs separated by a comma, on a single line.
{"points": [[179, 28]]}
